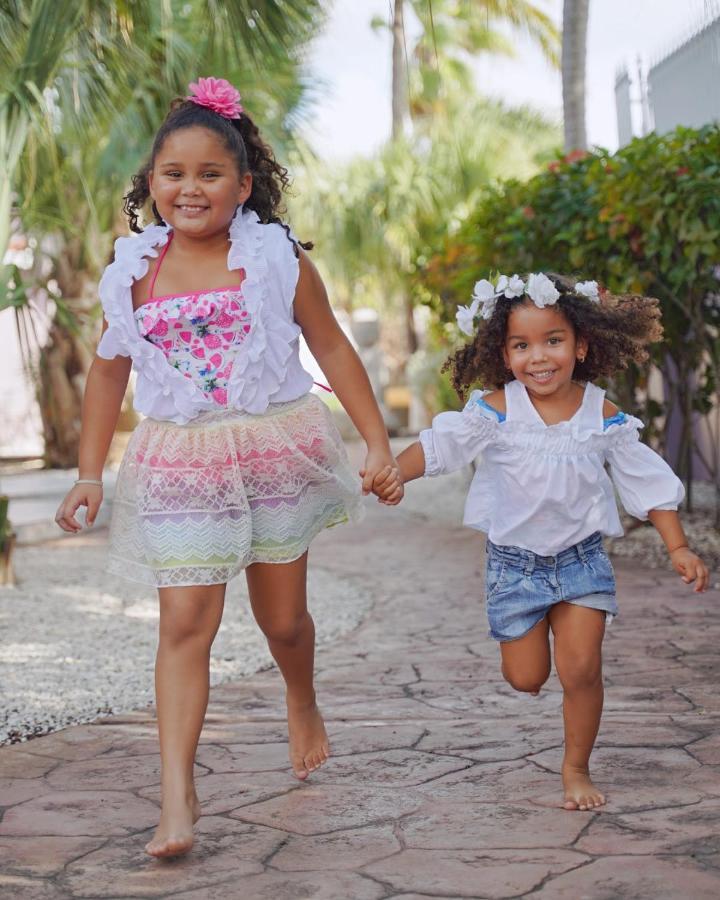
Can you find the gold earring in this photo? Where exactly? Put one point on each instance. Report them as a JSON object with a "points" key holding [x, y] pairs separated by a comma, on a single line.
{"points": [[581, 359]]}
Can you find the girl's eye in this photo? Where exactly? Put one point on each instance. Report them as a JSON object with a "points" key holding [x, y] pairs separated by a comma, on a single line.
{"points": [[554, 340], [211, 175], [520, 346]]}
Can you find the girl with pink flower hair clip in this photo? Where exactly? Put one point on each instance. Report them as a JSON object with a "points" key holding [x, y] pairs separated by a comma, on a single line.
{"points": [[236, 466]]}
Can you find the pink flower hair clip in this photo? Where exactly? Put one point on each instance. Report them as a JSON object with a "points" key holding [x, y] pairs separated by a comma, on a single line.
{"points": [[218, 95]]}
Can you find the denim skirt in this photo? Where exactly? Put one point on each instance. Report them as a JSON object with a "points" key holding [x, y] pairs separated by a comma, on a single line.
{"points": [[522, 586]]}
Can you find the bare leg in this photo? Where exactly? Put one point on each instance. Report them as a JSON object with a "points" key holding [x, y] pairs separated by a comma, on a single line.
{"points": [[526, 661], [189, 620], [578, 635], [279, 602]]}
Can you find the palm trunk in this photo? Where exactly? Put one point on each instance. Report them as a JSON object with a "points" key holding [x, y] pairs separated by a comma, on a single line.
{"points": [[574, 54], [399, 73], [7, 545], [399, 115], [60, 387]]}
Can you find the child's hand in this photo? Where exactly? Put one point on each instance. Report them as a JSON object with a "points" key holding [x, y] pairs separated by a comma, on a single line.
{"points": [[375, 461], [388, 486], [89, 495], [691, 568]]}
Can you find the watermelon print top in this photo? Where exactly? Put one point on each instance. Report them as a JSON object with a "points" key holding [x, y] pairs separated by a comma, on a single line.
{"points": [[200, 334]]}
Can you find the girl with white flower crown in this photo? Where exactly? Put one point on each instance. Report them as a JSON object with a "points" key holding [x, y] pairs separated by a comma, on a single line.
{"points": [[237, 465], [541, 492]]}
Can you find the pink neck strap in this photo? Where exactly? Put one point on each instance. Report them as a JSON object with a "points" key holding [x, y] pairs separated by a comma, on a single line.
{"points": [[159, 263]]}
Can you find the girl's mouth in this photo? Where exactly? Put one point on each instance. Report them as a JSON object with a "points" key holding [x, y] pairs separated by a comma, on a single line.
{"points": [[542, 377], [191, 209]]}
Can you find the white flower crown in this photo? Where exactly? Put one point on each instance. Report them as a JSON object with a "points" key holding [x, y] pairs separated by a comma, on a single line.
{"points": [[539, 289]]}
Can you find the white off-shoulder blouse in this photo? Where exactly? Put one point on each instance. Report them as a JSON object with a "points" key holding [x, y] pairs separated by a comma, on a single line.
{"points": [[545, 487]]}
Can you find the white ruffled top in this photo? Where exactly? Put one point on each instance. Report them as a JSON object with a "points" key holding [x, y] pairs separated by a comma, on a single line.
{"points": [[544, 487], [268, 369]]}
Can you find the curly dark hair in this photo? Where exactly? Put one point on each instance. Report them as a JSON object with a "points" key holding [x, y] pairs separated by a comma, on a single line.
{"points": [[617, 330], [242, 138]]}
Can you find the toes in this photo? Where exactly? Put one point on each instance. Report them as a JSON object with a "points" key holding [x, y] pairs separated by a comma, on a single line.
{"points": [[569, 804], [313, 761], [170, 847]]}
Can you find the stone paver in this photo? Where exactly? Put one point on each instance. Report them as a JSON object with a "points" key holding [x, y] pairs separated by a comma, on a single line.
{"points": [[443, 782]]}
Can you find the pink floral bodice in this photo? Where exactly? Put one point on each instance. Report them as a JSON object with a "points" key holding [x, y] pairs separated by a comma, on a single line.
{"points": [[200, 333]]}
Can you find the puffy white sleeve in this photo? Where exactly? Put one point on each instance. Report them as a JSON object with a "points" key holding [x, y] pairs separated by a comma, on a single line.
{"points": [[643, 479], [456, 438]]}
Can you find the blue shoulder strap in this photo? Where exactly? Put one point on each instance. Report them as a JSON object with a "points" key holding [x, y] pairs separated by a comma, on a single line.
{"points": [[617, 419], [498, 415]]}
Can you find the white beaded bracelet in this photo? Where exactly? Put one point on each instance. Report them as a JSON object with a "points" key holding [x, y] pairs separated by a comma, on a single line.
{"points": [[88, 481]]}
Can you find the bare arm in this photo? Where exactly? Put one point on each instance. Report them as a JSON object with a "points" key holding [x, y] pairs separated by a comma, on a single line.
{"points": [[343, 368], [685, 562], [104, 392], [412, 462]]}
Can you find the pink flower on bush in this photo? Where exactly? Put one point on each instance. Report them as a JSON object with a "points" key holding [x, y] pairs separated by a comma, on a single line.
{"points": [[218, 95]]}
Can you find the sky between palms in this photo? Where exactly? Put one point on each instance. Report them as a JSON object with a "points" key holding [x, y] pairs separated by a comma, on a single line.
{"points": [[354, 114]]}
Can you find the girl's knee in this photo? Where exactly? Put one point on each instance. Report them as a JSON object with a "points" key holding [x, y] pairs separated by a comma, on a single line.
{"points": [[178, 630], [182, 623], [286, 630], [579, 673], [528, 682]]}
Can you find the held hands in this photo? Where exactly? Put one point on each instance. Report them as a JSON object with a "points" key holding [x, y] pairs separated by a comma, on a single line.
{"points": [[388, 486], [381, 476], [89, 495], [691, 568]]}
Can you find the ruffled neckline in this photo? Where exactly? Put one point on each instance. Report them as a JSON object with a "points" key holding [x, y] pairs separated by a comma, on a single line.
{"points": [[573, 436], [260, 370]]}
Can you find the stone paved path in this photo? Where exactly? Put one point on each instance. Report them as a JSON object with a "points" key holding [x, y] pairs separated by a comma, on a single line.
{"points": [[443, 782]]}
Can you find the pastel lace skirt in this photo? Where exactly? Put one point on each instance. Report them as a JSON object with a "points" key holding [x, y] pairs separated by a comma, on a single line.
{"points": [[196, 503]]}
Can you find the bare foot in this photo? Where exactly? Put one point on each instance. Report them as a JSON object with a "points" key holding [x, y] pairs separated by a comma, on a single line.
{"points": [[174, 834], [309, 747], [580, 792]]}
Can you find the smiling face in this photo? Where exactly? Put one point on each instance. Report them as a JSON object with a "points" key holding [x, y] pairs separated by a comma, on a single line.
{"points": [[195, 182], [541, 348]]}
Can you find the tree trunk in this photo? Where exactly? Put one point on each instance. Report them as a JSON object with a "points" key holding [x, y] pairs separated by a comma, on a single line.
{"points": [[7, 545], [574, 56], [63, 366], [400, 109], [399, 73]]}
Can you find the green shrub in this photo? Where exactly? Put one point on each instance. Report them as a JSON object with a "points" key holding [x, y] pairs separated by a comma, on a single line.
{"points": [[644, 220]]}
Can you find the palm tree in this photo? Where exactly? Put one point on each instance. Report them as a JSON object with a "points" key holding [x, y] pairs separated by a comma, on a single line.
{"points": [[76, 120], [574, 53], [376, 221], [451, 31]]}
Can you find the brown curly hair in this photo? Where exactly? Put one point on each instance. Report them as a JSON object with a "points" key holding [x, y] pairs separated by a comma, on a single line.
{"points": [[242, 138], [617, 330]]}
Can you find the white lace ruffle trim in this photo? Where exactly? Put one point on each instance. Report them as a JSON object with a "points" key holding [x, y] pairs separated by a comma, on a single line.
{"points": [[162, 391]]}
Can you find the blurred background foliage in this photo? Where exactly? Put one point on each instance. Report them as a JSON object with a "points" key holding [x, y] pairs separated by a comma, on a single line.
{"points": [[644, 220], [85, 86]]}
